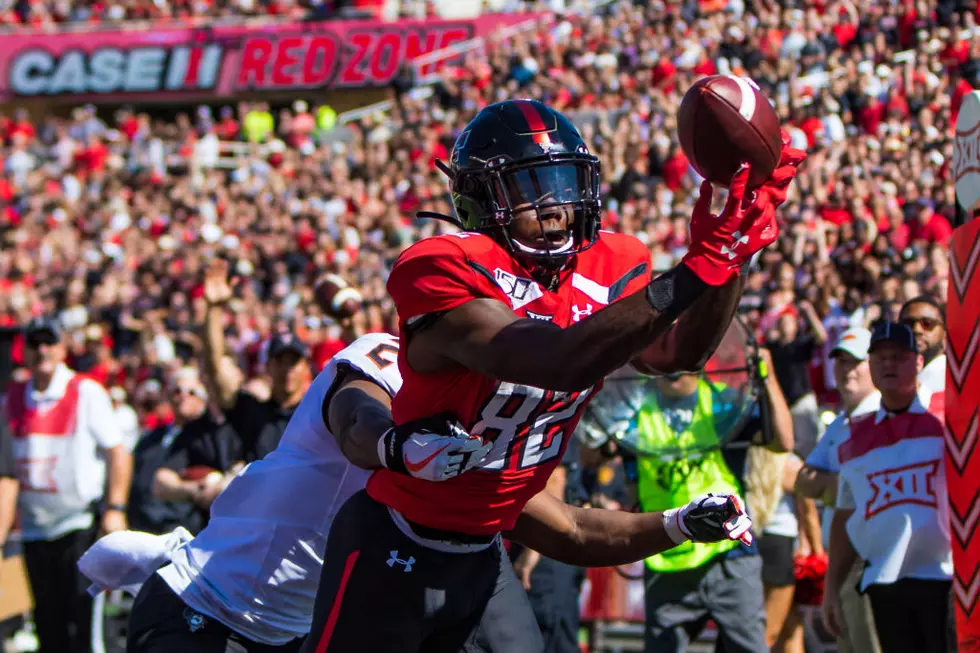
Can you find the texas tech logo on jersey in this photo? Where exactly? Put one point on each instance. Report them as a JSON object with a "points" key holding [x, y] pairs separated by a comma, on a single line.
{"points": [[914, 484]]}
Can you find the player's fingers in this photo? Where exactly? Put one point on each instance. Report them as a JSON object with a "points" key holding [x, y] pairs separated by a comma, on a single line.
{"points": [[785, 138], [782, 176], [739, 529], [736, 190], [703, 204], [790, 156], [470, 444], [477, 456]]}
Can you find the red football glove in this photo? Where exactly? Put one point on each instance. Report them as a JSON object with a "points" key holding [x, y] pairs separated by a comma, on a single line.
{"points": [[722, 244], [777, 186]]}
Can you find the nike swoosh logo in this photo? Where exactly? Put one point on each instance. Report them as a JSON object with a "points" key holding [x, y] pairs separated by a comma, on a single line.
{"points": [[416, 467]]}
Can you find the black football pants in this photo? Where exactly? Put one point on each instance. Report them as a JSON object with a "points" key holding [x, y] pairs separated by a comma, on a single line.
{"points": [[62, 604], [161, 623], [382, 592], [913, 615]]}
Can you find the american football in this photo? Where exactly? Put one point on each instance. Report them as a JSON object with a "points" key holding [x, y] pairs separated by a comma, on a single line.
{"points": [[725, 121], [201, 473], [336, 297]]}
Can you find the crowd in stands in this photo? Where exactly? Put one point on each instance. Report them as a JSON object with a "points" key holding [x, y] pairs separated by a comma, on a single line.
{"points": [[51, 14], [107, 219], [110, 220]]}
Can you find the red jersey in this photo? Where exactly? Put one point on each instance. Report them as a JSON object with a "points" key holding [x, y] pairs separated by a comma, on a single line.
{"points": [[530, 426]]}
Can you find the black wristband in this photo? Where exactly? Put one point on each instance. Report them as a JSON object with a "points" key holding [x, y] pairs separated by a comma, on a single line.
{"points": [[674, 291], [115, 506], [393, 459]]}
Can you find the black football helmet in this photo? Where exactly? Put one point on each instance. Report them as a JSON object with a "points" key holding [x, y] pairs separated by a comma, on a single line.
{"points": [[521, 155]]}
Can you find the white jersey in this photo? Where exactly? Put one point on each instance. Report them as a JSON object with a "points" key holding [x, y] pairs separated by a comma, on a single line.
{"points": [[932, 378], [824, 455], [893, 477], [59, 436], [256, 566]]}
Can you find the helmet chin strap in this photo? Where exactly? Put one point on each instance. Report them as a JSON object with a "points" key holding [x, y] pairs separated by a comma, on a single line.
{"points": [[545, 264], [564, 249]]}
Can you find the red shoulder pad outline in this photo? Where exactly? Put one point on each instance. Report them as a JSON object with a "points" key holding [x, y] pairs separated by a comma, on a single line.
{"points": [[434, 275]]}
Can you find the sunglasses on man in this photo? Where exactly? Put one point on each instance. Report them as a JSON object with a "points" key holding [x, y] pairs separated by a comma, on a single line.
{"points": [[928, 323], [195, 392]]}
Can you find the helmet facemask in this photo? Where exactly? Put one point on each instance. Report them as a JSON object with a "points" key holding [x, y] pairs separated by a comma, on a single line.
{"points": [[545, 187]]}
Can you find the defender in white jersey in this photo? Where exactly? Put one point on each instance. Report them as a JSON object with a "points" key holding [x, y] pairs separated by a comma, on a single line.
{"points": [[254, 568], [247, 582]]}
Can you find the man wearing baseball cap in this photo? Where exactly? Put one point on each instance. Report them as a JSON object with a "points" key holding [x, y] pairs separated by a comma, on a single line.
{"points": [[71, 464], [259, 422], [819, 476], [892, 510]]}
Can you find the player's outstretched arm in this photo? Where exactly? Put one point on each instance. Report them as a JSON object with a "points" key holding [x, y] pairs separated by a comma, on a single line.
{"points": [[695, 335], [591, 537], [701, 294], [487, 337], [720, 245], [359, 416]]}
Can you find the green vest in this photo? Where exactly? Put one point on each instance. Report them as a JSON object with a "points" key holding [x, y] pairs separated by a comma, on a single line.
{"points": [[664, 484]]}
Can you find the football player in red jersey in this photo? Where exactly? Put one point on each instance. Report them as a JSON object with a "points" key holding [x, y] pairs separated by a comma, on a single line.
{"points": [[510, 327]]}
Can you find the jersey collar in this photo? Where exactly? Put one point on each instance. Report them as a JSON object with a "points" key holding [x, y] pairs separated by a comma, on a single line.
{"points": [[56, 389], [919, 406]]}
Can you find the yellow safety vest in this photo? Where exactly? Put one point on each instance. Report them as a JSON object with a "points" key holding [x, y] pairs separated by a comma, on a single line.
{"points": [[667, 484]]}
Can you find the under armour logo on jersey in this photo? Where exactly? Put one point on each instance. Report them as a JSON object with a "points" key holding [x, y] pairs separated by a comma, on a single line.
{"points": [[737, 239], [195, 620], [578, 314], [407, 564], [915, 484]]}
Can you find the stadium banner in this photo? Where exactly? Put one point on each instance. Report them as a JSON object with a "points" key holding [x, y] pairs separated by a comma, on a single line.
{"points": [[200, 62], [963, 381]]}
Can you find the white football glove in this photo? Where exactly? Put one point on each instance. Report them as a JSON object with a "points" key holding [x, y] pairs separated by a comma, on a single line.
{"points": [[711, 518], [434, 449]]}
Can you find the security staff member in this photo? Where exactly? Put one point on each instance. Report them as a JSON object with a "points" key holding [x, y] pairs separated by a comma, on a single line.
{"points": [[693, 582]]}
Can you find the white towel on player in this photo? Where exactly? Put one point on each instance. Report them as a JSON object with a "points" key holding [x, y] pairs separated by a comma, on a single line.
{"points": [[125, 560]]}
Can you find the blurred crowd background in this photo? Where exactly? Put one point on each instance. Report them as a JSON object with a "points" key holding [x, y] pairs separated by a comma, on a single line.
{"points": [[109, 218]]}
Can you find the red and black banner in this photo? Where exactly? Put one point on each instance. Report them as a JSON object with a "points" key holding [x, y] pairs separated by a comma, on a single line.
{"points": [[224, 60]]}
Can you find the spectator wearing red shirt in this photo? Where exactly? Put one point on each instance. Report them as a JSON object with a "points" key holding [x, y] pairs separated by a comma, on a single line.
{"points": [[675, 169], [21, 125], [929, 225], [898, 231], [227, 127]]}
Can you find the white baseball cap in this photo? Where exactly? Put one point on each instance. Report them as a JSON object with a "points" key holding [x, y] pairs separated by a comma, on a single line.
{"points": [[855, 342]]}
